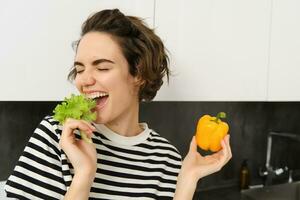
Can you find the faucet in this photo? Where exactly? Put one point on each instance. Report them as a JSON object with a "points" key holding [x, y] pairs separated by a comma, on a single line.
{"points": [[270, 173]]}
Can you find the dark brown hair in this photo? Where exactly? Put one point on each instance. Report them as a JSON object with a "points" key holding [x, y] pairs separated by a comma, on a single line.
{"points": [[142, 48]]}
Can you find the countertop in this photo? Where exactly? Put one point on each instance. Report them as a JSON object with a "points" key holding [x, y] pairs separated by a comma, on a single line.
{"points": [[228, 193]]}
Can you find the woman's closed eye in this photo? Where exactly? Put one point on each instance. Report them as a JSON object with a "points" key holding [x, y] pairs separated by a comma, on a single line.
{"points": [[79, 69], [103, 68]]}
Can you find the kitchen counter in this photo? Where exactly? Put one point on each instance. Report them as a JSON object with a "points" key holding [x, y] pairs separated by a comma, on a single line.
{"points": [[228, 193], [286, 191]]}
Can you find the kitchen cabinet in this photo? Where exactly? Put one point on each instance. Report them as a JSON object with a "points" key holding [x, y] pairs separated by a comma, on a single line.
{"points": [[284, 81], [219, 49], [36, 38]]}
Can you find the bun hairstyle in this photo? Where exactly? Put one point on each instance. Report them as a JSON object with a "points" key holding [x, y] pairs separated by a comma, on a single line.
{"points": [[142, 48]]}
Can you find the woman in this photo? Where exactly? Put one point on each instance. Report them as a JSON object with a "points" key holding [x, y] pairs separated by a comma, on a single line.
{"points": [[119, 62]]}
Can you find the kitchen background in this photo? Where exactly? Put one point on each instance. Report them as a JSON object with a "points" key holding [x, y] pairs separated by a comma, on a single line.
{"points": [[240, 57], [250, 123]]}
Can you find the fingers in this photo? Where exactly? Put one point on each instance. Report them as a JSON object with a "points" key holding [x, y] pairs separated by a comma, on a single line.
{"points": [[81, 154], [70, 125], [226, 150], [193, 145]]}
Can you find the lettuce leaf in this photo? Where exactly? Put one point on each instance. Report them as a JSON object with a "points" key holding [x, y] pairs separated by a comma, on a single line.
{"points": [[76, 107]]}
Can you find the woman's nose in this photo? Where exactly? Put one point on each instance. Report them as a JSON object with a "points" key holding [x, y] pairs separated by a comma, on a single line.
{"points": [[88, 78]]}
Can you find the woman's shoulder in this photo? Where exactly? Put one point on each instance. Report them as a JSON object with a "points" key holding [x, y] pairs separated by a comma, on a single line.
{"points": [[50, 119], [40, 165], [163, 144], [49, 128]]}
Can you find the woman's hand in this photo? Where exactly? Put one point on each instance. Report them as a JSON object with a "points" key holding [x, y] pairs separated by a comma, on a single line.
{"points": [[196, 166], [83, 157], [81, 154]]}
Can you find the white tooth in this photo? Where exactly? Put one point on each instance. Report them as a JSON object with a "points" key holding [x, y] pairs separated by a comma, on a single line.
{"points": [[96, 94], [91, 95]]}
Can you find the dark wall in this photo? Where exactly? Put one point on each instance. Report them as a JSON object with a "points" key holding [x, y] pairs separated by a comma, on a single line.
{"points": [[17, 123], [249, 124], [248, 128]]}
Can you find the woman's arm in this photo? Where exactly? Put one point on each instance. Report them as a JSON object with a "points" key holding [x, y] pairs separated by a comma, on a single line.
{"points": [[83, 157], [196, 166], [80, 187]]}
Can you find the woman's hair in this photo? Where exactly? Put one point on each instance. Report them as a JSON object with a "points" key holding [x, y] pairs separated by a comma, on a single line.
{"points": [[142, 48]]}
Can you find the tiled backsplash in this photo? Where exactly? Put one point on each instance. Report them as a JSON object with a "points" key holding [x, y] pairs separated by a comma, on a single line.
{"points": [[249, 124]]}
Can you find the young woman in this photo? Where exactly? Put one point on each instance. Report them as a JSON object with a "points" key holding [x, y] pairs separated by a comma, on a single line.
{"points": [[119, 62]]}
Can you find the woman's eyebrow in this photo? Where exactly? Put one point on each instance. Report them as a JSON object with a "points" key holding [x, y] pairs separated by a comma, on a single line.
{"points": [[95, 62], [98, 61]]}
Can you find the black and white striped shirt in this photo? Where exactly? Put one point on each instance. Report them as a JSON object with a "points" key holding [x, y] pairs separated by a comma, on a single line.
{"points": [[140, 167]]}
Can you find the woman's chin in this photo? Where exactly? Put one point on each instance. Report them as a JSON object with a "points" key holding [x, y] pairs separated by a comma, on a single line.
{"points": [[101, 118]]}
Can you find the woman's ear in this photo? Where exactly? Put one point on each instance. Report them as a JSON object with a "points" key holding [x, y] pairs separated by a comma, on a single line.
{"points": [[138, 84], [139, 81]]}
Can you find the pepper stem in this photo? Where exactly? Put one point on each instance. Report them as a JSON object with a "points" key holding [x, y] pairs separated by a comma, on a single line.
{"points": [[219, 116]]}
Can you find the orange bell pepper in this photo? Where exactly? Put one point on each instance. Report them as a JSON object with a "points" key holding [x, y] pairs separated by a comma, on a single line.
{"points": [[210, 132]]}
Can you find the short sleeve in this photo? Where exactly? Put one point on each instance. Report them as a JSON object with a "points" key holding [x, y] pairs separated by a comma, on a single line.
{"points": [[38, 172]]}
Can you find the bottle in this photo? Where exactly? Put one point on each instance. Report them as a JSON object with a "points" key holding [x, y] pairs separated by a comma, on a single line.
{"points": [[244, 175]]}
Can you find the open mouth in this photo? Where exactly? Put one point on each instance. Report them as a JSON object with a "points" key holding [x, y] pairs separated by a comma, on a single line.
{"points": [[99, 97]]}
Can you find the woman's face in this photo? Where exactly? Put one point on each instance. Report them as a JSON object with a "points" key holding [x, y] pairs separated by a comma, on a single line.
{"points": [[103, 72]]}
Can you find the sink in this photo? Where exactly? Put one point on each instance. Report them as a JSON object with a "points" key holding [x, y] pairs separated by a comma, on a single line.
{"points": [[287, 191]]}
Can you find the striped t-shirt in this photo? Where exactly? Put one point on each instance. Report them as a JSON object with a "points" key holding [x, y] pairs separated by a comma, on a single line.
{"points": [[139, 167]]}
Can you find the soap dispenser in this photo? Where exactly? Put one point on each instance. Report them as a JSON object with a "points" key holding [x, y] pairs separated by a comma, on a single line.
{"points": [[244, 175]]}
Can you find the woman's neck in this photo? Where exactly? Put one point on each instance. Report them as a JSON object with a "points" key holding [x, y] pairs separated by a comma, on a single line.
{"points": [[128, 124]]}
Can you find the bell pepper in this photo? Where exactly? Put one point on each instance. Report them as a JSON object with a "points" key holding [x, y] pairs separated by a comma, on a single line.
{"points": [[210, 132]]}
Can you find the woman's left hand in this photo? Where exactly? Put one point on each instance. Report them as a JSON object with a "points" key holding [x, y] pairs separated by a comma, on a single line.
{"points": [[196, 166]]}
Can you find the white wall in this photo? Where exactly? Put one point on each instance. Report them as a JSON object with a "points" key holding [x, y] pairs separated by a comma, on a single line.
{"points": [[36, 38], [284, 78], [220, 50]]}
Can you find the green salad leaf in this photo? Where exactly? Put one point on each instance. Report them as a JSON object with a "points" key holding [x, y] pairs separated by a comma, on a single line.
{"points": [[76, 107]]}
